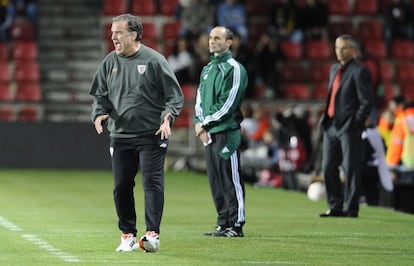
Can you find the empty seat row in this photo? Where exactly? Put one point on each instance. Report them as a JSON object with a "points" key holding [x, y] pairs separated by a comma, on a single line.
{"points": [[22, 72], [319, 91], [139, 7], [23, 113], [24, 92], [346, 7], [384, 71], [19, 51], [402, 50]]}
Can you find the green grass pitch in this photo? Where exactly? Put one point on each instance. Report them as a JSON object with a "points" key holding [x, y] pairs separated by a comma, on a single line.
{"points": [[50, 217]]}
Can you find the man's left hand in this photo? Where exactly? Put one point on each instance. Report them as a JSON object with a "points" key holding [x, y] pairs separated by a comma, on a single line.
{"points": [[165, 128]]}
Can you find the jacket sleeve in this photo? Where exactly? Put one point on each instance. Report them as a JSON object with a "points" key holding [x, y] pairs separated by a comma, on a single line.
{"points": [[365, 95], [231, 93], [173, 95], [99, 91]]}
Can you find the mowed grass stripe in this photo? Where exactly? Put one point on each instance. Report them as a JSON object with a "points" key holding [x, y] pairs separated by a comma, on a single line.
{"points": [[73, 211]]}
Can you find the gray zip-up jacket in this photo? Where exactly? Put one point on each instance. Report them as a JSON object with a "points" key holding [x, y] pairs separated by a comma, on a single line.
{"points": [[136, 91]]}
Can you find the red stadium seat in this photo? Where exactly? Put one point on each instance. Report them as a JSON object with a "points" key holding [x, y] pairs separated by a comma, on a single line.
{"points": [[149, 31], [24, 51], [320, 91], [292, 50], [5, 92], [114, 7], [402, 50], [170, 30], [254, 7], [28, 92], [143, 8], [292, 72], [107, 31], [27, 72], [386, 72], [4, 73], [373, 68], [339, 7], [376, 48], [370, 30], [299, 91], [318, 50], [404, 73], [189, 91], [407, 90], [6, 114], [337, 28], [185, 118], [319, 72], [4, 52], [168, 7], [390, 90], [22, 30], [366, 8], [28, 114], [152, 44]]}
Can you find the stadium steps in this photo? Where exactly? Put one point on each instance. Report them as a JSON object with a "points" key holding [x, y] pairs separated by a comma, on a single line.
{"points": [[70, 50]]}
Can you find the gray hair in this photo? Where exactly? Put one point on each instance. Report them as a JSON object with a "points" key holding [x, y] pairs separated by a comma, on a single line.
{"points": [[134, 24]]}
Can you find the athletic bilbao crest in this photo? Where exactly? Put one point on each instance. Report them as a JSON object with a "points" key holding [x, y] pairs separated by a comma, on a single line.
{"points": [[141, 69]]}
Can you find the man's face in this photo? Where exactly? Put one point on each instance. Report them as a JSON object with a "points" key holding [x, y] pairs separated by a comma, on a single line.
{"points": [[217, 41], [344, 51], [123, 40]]}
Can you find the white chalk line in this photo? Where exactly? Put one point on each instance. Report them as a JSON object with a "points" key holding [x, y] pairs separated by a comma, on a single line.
{"points": [[38, 241]]}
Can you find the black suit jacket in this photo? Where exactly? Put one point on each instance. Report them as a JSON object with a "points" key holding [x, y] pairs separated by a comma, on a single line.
{"points": [[354, 99]]}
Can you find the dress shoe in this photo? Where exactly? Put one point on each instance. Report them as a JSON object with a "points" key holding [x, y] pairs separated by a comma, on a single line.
{"points": [[333, 213]]}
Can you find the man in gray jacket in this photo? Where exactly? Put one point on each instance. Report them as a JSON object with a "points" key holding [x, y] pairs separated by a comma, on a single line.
{"points": [[137, 94]]}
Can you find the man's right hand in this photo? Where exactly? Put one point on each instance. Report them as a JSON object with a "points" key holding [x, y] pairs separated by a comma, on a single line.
{"points": [[99, 121]]}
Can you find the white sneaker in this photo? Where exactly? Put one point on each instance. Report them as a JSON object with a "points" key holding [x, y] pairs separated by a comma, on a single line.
{"points": [[128, 243], [150, 242]]}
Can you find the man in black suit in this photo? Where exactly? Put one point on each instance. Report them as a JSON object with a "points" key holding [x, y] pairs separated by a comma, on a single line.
{"points": [[348, 105]]}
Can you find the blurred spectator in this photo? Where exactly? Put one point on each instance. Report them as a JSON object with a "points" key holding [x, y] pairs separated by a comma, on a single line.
{"points": [[242, 54], [7, 16], [314, 19], [387, 118], [248, 125], [373, 66], [267, 54], [232, 14], [182, 61], [401, 148], [294, 139], [398, 19], [284, 21], [261, 153], [27, 9], [201, 52], [263, 124], [375, 174], [197, 17]]}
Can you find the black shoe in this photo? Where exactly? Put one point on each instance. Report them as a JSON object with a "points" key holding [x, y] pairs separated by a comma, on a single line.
{"points": [[230, 232], [218, 231], [333, 213]]}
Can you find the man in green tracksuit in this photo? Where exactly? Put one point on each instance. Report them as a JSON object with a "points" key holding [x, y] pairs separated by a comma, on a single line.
{"points": [[223, 82], [137, 93]]}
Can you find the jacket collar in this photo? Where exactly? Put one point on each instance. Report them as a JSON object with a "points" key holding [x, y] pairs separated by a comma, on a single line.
{"points": [[222, 57]]}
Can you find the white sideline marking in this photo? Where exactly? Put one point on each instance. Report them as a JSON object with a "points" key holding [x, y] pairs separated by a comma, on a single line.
{"points": [[9, 225], [38, 242]]}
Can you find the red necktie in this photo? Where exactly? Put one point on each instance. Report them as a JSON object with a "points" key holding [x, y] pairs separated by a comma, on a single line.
{"points": [[335, 86]]}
